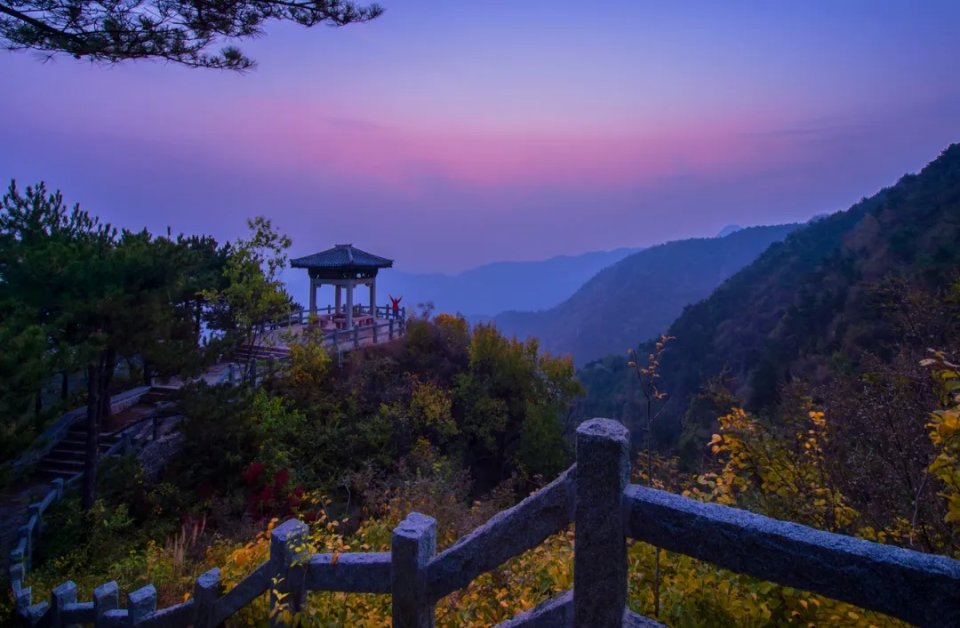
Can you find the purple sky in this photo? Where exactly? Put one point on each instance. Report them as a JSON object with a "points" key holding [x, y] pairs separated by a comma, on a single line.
{"points": [[449, 134]]}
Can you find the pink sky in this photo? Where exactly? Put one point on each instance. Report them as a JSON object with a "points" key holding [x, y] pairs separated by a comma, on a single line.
{"points": [[447, 135]]}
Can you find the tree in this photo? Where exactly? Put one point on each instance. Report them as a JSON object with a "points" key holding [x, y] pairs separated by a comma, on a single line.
{"points": [[94, 294], [181, 31], [252, 293], [654, 401]]}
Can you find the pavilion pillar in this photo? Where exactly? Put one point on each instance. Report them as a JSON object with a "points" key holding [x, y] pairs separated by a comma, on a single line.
{"points": [[313, 297], [373, 300], [350, 305], [338, 301]]}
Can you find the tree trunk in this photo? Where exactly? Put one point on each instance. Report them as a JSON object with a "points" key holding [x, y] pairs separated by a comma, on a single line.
{"points": [[64, 386], [99, 375], [198, 319], [94, 407]]}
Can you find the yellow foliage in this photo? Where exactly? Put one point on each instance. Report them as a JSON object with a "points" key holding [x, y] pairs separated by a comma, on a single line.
{"points": [[784, 478], [944, 426]]}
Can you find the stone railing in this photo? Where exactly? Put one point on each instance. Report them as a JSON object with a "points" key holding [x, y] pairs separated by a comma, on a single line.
{"points": [[594, 495], [55, 433], [301, 316]]}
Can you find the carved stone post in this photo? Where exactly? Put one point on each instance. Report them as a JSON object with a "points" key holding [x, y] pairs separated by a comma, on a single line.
{"points": [[142, 603], [600, 552], [106, 598], [350, 305], [24, 535], [206, 591], [413, 545], [288, 553], [373, 300], [62, 595]]}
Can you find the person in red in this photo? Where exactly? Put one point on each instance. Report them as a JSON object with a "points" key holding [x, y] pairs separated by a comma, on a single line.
{"points": [[396, 305]]}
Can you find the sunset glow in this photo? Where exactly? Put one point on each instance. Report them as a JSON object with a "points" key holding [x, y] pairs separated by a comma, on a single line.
{"points": [[472, 133]]}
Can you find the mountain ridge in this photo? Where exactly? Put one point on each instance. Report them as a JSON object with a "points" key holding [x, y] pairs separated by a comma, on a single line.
{"points": [[669, 275], [804, 303]]}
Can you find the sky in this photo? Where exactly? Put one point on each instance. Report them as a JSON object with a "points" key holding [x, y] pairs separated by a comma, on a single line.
{"points": [[448, 134]]}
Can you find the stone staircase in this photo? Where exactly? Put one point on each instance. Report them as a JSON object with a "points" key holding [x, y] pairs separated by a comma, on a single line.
{"points": [[66, 459], [260, 352]]}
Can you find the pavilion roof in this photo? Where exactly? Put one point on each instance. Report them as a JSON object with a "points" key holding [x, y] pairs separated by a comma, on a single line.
{"points": [[342, 256]]}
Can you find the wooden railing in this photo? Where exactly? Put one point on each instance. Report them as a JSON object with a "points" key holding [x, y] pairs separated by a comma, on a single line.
{"points": [[595, 495]]}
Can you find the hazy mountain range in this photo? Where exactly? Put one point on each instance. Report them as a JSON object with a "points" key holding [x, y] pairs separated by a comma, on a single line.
{"points": [[638, 297], [484, 291]]}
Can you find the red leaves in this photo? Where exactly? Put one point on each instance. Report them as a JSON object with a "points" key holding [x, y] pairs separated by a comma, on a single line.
{"points": [[270, 495], [281, 478], [252, 472]]}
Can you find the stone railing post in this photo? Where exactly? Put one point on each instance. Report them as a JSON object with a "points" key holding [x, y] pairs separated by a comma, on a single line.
{"points": [[206, 591], [106, 598], [600, 550], [413, 544], [62, 595], [141, 603], [58, 487], [289, 554], [24, 533], [33, 510]]}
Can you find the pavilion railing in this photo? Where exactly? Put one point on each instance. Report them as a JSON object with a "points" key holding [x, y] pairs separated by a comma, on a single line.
{"points": [[595, 495], [301, 316]]}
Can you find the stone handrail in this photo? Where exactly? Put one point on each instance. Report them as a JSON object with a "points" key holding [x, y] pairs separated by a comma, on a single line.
{"points": [[923, 589], [55, 433], [596, 497], [301, 316], [390, 329]]}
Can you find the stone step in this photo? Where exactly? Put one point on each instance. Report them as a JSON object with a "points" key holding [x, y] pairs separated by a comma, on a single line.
{"points": [[81, 437], [155, 396], [262, 353], [67, 453], [81, 443], [54, 472], [62, 463]]}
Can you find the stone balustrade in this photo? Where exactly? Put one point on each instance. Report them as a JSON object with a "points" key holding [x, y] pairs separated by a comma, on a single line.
{"points": [[595, 495]]}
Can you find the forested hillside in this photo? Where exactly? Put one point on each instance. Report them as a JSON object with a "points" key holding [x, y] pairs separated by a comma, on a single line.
{"points": [[639, 296], [852, 290]]}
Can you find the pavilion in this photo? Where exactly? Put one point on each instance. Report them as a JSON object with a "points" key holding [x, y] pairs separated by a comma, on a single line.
{"points": [[345, 267]]}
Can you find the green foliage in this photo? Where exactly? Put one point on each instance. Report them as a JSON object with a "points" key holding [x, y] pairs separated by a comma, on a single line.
{"points": [[181, 32], [252, 293]]}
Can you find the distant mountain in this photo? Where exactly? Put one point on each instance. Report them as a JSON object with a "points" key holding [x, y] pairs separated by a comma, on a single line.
{"points": [[486, 290], [728, 230], [806, 306], [639, 296]]}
